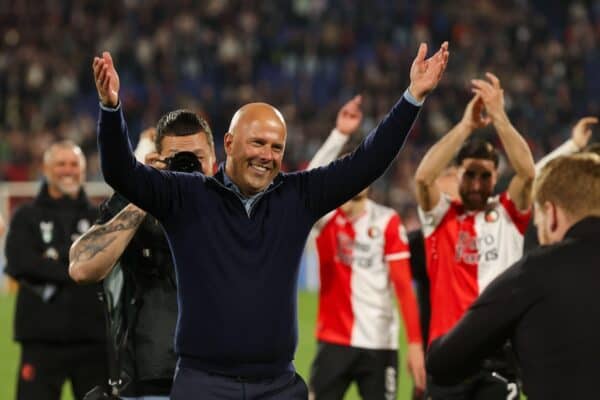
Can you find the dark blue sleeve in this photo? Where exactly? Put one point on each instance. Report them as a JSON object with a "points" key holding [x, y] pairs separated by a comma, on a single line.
{"points": [[328, 187], [159, 193]]}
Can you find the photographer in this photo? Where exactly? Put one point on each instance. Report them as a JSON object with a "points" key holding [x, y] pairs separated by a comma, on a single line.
{"points": [[143, 317]]}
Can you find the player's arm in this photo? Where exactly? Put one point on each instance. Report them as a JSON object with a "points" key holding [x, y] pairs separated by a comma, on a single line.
{"points": [[95, 253], [397, 256], [348, 120], [401, 279], [26, 259], [580, 137], [517, 150], [484, 328], [442, 152], [157, 192], [329, 187]]}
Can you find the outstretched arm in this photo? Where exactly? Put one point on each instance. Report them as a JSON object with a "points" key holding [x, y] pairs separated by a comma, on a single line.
{"points": [[580, 137], [329, 187], [95, 253], [517, 149], [441, 153], [484, 328], [157, 192]]}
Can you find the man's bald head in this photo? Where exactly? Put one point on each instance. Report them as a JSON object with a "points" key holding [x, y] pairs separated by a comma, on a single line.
{"points": [[254, 146], [255, 112]]}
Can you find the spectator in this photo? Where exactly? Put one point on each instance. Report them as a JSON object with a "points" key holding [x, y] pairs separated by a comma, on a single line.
{"points": [[59, 325]]}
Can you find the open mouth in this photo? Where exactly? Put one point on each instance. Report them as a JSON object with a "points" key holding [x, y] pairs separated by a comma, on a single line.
{"points": [[67, 180], [259, 169]]}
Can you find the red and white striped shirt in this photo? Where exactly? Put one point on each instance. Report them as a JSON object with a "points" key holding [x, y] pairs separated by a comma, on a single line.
{"points": [[465, 251], [360, 261]]}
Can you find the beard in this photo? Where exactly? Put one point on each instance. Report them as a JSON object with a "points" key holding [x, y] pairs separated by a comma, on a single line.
{"points": [[68, 187], [473, 201]]}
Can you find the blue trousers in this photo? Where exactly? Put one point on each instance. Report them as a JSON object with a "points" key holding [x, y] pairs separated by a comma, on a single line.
{"points": [[193, 384]]}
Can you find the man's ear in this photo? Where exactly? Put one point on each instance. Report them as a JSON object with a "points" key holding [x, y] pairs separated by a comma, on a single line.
{"points": [[228, 142], [551, 216]]}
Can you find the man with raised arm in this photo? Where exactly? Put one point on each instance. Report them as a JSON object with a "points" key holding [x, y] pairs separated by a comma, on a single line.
{"points": [[547, 302], [468, 242], [237, 238], [363, 258]]}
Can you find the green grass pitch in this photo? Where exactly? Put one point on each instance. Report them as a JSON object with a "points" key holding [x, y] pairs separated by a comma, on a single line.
{"points": [[307, 307]]}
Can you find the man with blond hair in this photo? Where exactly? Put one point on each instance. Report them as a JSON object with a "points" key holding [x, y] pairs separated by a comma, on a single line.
{"points": [[547, 302]]}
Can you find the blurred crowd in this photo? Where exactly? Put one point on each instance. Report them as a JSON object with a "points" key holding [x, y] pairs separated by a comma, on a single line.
{"points": [[306, 57]]}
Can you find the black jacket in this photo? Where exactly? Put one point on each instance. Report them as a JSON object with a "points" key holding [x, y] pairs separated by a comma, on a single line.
{"points": [[547, 304], [51, 308], [147, 310]]}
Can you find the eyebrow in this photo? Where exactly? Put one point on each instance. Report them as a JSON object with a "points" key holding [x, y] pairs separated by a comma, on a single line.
{"points": [[196, 150]]}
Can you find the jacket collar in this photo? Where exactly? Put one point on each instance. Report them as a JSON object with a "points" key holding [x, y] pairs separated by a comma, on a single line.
{"points": [[43, 198], [586, 227], [219, 177]]}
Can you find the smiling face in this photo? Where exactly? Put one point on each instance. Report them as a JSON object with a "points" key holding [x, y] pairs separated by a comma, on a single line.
{"points": [[196, 143], [64, 169], [255, 145], [477, 178]]}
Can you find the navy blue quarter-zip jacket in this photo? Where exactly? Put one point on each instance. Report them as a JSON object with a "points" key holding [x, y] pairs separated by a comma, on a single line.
{"points": [[237, 271]]}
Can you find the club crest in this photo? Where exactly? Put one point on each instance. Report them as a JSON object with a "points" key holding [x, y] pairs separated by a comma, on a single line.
{"points": [[46, 229], [491, 215], [374, 232], [83, 225]]}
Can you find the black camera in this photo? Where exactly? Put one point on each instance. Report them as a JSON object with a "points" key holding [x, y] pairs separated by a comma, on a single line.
{"points": [[184, 161]]}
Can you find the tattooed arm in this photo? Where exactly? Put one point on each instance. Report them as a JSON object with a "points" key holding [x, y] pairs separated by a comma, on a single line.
{"points": [[94, 254]]}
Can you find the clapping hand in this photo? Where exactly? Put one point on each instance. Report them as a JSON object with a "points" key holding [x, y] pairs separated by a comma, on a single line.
{"points": [[492, 95]]}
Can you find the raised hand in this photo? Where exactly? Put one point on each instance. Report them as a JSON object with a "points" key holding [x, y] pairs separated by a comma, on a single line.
{"points": [[473, 116], [425, 74], [107, 80], [492, 95], [350, 116], [582, 131]]}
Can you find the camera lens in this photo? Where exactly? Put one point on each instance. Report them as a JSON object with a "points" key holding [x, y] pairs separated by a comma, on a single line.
{"points": [[184, 161]]}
